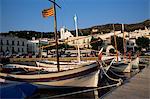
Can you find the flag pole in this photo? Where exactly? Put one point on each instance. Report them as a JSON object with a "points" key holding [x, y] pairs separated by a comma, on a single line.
{"points": [[56, 36]]}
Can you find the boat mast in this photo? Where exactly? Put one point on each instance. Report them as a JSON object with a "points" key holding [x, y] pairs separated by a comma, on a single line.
{"points": [[124, 43], [55, 32], [115, 42], [75, 20]]}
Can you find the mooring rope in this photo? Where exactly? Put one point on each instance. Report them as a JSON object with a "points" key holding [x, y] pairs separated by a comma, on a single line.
{"points": [[109, 64], [119, 80], [111, 70], [83, 91], [117, 74]]}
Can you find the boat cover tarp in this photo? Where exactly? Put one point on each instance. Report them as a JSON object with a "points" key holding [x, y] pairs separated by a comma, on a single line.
{"points": [[21, 90]]}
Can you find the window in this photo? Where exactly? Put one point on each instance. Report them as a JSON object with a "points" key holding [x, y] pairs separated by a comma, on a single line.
{"points": [[1, 42], [13, 50], [22, 43], [22, 50], [7, 42], [7, 49], [132, 44], [17, 42], [18, 50], [13, 43]]}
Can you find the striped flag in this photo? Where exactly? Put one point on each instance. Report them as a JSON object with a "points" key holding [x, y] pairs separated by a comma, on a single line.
{"points": [[48, 12]]}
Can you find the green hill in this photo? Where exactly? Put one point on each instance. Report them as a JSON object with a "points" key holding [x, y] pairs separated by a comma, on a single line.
{"points": [[87, 31]]}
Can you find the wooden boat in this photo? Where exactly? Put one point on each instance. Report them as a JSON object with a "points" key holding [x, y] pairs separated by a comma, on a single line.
{"points": [[85, 75], [127, 66], [121, 67], [66, 65], [63, 78]]}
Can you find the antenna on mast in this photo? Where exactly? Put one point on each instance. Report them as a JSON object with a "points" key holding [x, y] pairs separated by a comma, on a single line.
{"points": [[76, 26]]}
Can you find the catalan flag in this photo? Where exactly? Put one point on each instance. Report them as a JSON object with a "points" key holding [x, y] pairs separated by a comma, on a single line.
{"points": [[48, 12]]}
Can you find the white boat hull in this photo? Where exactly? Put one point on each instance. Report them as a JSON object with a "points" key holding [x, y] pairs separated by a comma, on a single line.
{"points": [[90, 80], [84, 76], [53, 67]]}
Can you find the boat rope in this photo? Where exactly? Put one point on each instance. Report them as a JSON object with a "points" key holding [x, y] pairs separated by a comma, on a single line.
{"points": [[83, 91], [118, 80], [122, 76], [109, 64], [119, 68]]}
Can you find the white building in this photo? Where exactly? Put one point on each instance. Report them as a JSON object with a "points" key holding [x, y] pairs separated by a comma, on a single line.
{"points": [[13, 45], [82, 41], [34, 45], [64, 34], [132, 36]]}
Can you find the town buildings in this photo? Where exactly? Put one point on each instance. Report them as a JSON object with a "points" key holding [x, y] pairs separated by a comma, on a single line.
{"points": [[13, 45]]}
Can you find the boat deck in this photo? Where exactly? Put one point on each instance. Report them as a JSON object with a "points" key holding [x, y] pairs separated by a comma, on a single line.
{"points": [[138, 87]]}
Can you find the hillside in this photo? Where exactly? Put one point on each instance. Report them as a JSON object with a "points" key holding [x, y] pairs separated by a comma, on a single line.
{"points": [[108, 27], [87, 31]]}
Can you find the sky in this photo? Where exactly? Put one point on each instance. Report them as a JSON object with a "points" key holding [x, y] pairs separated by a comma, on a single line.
{"points": [[19, 15]]}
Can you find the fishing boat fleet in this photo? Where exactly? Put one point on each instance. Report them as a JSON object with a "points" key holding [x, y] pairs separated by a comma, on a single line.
{"points": [[85, 74], [68, 74]]}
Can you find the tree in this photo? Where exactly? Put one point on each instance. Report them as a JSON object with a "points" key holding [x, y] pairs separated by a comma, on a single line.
{"points": [[119, 43], [66, 46], [96, 43], [143, 42]]}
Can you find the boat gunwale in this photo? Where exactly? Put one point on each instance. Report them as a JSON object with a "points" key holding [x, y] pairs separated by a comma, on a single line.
{"points": [[53, 74]]}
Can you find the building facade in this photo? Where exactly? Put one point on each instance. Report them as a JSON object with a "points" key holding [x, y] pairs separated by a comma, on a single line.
{"points": [[13, 45]]}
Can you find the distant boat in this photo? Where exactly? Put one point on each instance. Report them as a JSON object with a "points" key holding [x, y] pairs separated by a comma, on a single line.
{"points": [[52, 65], [121, 67], [125, 65]]}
